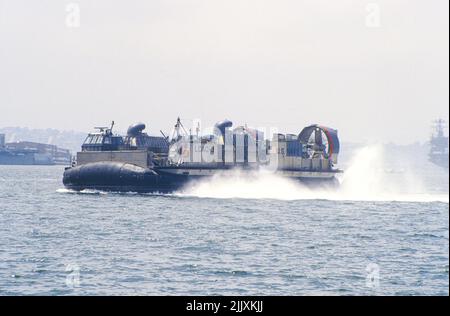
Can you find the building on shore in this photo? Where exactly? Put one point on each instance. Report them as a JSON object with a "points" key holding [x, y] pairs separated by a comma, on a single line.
{"points": [[31, 153]]}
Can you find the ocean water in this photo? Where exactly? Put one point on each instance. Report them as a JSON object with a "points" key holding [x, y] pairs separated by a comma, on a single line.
{"points": [[233, 236]]}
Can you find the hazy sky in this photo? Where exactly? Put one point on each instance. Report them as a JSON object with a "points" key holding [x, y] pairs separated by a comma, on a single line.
{"points": [[375, 70]]}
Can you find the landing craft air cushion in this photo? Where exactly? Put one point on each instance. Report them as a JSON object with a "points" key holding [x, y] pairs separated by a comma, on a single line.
{"points": [[138, 162]]}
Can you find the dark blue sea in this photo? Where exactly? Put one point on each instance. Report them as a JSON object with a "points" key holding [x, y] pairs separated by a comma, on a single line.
{"points": [[230, 237]]}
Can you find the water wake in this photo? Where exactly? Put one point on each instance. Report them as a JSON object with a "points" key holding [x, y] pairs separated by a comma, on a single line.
{"points": [[86, 191], [366, 179]]}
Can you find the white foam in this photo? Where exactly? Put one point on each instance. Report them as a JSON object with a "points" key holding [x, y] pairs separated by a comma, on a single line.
{"points": [[85, 191]]}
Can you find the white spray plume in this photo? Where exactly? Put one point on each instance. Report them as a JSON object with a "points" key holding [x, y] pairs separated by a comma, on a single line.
{"points": [[365, 179]]}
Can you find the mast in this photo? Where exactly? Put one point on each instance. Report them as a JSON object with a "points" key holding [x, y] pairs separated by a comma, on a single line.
{"points": [[439, 144], [179, 130]]}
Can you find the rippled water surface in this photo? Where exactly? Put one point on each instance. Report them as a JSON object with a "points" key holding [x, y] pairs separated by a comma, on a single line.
{"points": [[57, 242]]}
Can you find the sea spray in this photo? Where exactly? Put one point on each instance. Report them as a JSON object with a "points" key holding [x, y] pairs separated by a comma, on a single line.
{"points": [[239, 184], [365, 179]]}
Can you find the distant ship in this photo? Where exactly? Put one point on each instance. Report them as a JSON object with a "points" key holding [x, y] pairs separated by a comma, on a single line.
{"points": [[439, 145], [141, 163], [31, 153]]}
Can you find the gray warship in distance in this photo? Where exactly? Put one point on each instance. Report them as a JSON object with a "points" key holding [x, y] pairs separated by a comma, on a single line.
{"points": [[138, 162], [439, 145]]}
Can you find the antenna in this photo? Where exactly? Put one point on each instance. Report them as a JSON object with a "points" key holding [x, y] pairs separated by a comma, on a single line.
{"points": [[105, 129], [165, 137], [101, 128], [197, 129]]}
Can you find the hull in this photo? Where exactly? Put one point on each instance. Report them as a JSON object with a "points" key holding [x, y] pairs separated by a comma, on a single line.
{"points": [[440, 160], [122, 177], [125, 177]]}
